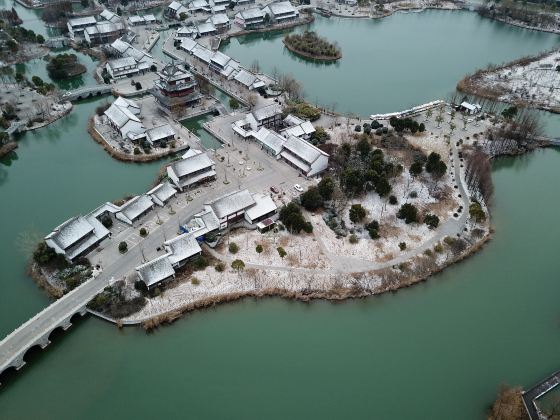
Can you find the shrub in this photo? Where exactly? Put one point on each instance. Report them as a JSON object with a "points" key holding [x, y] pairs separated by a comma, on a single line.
{"points": [[438, 248], [259, 248], [408, 213], [282, 252], [123, 247], [476, 212], [307, 227], [413, 194], [357, 213], [136, 151], [138, 86], [143, 232], [219, 267], [431, 220], [393, 200], [373, 229], [402, 246], [326, 187], [195, 281], [353, 239], [233, 248], [233, 103], [200, 263], [312, 199], [358, 128]]}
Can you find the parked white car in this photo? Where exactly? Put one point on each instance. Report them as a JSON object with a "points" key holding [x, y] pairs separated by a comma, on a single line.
{"points": [[298, 187]]}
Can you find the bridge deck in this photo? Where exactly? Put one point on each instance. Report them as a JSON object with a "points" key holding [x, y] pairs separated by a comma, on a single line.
{"points": [[37, 329], [538, 391]]}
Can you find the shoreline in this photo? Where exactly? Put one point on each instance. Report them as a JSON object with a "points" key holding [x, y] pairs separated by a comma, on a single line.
{"points": [[478, 84], [310, 56], [124, 157], [333, 294]]}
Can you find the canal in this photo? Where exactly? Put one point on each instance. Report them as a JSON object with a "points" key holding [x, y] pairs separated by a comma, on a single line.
{"points": [[438, 350]]}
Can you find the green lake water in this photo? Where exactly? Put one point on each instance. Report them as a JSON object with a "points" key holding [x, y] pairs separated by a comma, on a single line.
{"points": [[438, 350]]}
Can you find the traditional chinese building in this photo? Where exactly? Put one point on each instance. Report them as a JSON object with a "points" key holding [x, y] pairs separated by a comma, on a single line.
{"points": [[176, 90]]}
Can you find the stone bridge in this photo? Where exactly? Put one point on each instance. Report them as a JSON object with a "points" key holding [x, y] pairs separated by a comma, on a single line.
{"points": [[86, 92], [37, 331]]}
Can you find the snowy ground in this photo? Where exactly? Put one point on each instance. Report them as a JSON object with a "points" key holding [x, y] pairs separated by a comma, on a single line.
{"points": [[537, 83]]}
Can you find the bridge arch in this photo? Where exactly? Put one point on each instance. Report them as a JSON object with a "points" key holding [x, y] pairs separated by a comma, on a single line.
{"points": [[32, 352]]}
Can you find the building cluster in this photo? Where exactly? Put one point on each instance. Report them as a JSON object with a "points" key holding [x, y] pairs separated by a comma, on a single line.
{"points": [[240, 206], [218, 22], [124, 117], [130, 60], [283, 138], [220, 63], [105, 27]]}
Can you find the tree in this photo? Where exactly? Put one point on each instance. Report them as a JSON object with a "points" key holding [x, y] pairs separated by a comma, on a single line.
{"points": [[429, 114], [408, 213], [326, 187], [431, 220], [282, 252], [40, 39], [357, 213], [402, 246], [291, 217], [382, 187], [259, 248], [238, 265], [373, 229], [363, 147], [433, 160], [509, 113], [143, 232], [37, 81], [84, 3], [439, 120], [233, 103], [233, 248], [312, 199], [123, 247], [19, 77], [416, 168], [452, 127], [476, 212]]}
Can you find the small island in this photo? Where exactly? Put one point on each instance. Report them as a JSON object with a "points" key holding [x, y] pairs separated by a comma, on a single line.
{"points": [[311, 45], [64, 66]]}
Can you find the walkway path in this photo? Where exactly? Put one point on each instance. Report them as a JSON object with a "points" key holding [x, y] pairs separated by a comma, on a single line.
{"points": [[530, 397]]}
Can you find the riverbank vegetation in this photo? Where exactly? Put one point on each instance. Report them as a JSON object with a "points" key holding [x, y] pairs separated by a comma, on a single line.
{"points": [[532, 15], [508, 405], [116, 302], [64, 66], [311, 45], [302, 110]]}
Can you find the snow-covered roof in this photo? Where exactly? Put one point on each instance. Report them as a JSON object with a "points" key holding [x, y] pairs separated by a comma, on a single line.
{"points": [[263, 205], [174, 5], [104, 208], [303, 129], [120, 63], [129, 104], [149, 18], [109, 16], [155, 270], [231, 203], [281, 8], [205, 28], [202, 53], [219, 18], [162, 192], [303, 149], [219, 9], [104, 28], [120, 115], [191, 152], [271, 139], [182, 247], [136, 19], [188, 44], [161, 132], [471, 107], [292, 120], [220, 58], [252, 13], [70, 232], [186, 30], [245, 78], [136, 206], [81, 21], [120, 45], [197, 4], [185, 167], [267, 111]]}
